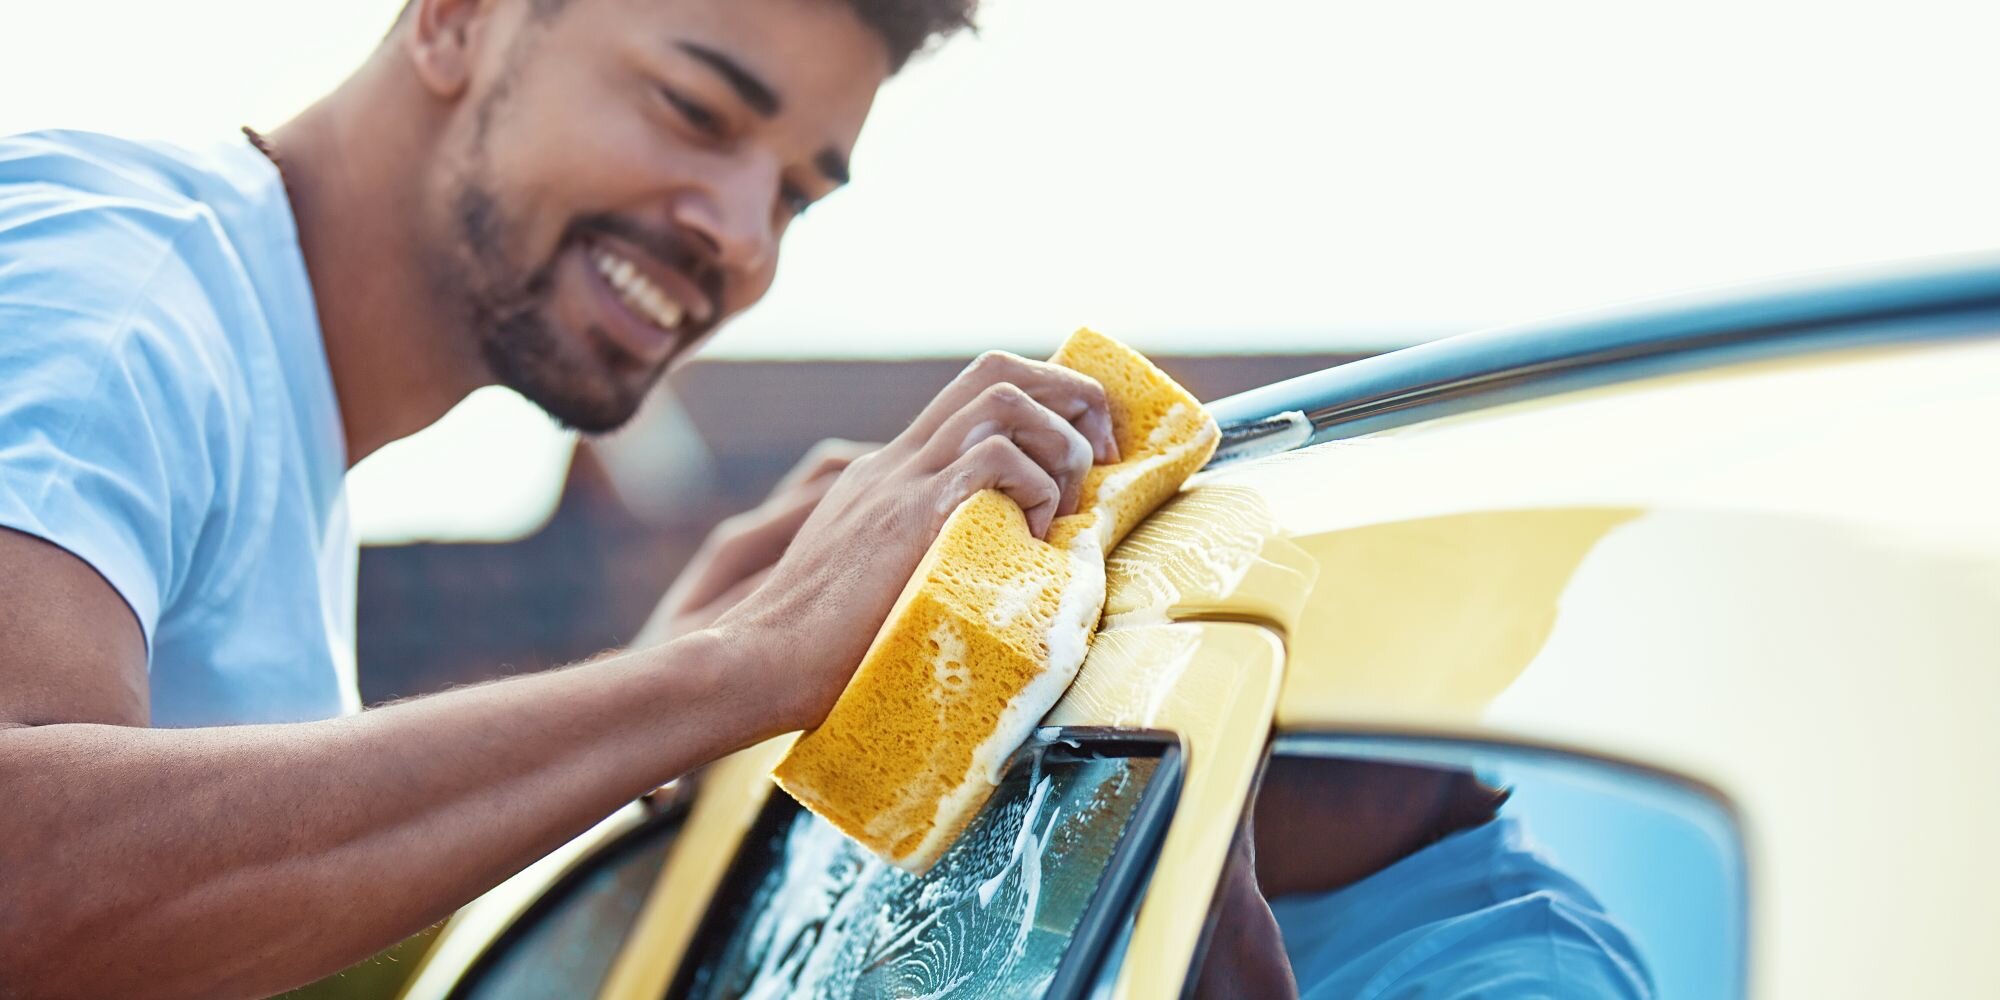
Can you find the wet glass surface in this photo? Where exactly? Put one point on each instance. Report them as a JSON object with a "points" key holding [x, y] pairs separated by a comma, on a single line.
{"points": [[567, 948], [992, 919]]}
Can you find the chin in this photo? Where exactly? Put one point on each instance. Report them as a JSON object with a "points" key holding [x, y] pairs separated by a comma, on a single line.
{"points": [[591, 394], [585, 416]]}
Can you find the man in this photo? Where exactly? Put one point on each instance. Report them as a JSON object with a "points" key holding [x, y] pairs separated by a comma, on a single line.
{"points": [[1355, 879], [563, 196]]}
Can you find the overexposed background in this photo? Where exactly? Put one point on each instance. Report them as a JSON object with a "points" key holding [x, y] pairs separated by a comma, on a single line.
{"points": [[1265, 175]]}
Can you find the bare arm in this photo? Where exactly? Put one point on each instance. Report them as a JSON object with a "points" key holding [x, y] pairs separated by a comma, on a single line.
{"points": [[242, 861]]}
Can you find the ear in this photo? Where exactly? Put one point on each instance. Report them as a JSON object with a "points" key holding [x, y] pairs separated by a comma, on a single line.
{"points": [[440, 42]]}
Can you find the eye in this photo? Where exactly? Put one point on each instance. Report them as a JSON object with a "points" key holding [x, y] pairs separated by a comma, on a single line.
{"points": [[697, 114]]}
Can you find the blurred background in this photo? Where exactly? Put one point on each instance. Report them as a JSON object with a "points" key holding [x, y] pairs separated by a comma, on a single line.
{"points": [[1247, 191]]}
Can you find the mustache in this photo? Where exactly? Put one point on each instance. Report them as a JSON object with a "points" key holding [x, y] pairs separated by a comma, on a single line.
{"points": [[672, 247]]}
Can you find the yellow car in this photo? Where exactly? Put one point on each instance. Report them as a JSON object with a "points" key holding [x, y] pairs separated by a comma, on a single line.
{"points": [[1707, 594]]}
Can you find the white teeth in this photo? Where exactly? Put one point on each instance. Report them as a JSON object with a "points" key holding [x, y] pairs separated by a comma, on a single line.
{"points": [[637, 291]]}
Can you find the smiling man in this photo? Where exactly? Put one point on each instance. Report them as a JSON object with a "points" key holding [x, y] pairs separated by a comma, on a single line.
{"points": [[561, 197]]}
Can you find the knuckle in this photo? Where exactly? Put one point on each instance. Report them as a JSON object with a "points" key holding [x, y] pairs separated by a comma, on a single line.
{"points": [[729, 535], [996, 448], [1089, 388], [1008, 395], [986, 364]]}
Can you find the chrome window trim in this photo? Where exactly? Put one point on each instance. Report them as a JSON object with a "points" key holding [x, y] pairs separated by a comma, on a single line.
{"points": [[1935, 300]]}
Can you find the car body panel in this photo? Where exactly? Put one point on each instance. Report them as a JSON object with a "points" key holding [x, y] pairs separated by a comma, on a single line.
{"points": [[732, 794], [478, 924], [1213, 684], [1748, 541], [1214, 553], [1780, 579]]}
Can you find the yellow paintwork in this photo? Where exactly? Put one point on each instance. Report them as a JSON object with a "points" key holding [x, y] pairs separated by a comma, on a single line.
{"points": [[1781, 579], [733, 793], [1215, 684], [476, 924], [1211, 553], [1449, 609]]}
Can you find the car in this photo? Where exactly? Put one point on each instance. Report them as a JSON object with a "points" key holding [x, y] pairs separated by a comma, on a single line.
{"points": [[1710, 585]]}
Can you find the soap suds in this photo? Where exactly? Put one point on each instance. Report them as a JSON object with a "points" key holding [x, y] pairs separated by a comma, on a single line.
{"points": [[948, 666], [1007, 602], [1021, 841], [1069, 643], [1169, 425]]}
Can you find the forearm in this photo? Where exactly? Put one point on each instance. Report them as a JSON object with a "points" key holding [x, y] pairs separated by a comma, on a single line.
{"points": [[242, 861]]}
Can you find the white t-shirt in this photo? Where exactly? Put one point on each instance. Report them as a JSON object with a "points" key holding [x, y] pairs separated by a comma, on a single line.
{"points": [[167, 415]]}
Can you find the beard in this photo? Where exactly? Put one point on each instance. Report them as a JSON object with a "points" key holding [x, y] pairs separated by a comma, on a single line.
{"points": [[505, 305]]}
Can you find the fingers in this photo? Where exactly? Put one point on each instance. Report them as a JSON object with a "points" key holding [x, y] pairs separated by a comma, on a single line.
{"points": [[1075, 397], [748, 543], [997, 463], [824, 460], [1007, 411]]}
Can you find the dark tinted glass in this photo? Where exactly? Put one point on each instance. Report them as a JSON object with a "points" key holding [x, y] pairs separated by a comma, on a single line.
{"points": [[565, 944]]}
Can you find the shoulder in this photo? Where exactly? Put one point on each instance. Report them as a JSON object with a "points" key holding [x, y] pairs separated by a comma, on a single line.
{"points": [[58, 188], [125, 405], [130, 201], [105, 264], [1538, 944]]}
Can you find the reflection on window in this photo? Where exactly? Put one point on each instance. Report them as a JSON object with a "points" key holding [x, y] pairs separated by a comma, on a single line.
{"points": [[1393, 868], [565, 944], [819, 917]]}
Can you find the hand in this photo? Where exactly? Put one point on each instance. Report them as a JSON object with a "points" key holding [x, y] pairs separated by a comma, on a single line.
{"points": [[736, 557], [1028, 429]]}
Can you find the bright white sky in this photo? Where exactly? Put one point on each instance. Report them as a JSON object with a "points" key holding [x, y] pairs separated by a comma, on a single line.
{"points": [[1258, 175]]}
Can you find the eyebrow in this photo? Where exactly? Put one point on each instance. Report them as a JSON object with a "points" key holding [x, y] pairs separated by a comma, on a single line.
{"points": [[754, 91]]}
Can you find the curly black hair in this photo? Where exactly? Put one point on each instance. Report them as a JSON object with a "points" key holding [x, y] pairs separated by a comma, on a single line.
{"points": [[910, 26], [907, 26]]}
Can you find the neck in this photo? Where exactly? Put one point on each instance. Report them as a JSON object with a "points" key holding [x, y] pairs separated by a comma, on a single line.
{"points": [[353, 174]]}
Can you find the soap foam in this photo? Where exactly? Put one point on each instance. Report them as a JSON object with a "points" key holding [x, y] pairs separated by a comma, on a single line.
{"points": [[990, 632]]}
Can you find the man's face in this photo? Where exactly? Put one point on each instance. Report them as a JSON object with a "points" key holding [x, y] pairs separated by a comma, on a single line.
{"points": [[622, 172]]}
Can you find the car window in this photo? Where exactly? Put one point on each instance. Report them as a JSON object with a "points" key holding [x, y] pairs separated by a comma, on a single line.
{"points": [[1026, 901], [1438, 869], [565, 944]]}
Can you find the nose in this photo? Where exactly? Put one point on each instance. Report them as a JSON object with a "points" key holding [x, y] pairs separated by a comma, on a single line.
{"points": [[733, 214]]}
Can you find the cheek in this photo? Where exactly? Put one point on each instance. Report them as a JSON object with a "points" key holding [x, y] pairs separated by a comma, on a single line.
{"points": [[751, 288], [560, 163]]}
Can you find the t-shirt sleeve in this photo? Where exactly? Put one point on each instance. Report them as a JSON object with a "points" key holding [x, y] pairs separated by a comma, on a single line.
{"points": [[1539, 948], [101, 405]]}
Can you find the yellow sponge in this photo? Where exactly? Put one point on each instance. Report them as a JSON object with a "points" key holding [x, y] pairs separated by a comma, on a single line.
{"points": [[990, 631]]}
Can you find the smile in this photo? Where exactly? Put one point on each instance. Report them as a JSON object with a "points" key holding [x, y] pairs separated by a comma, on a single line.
{"points": [[638, 292]]}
